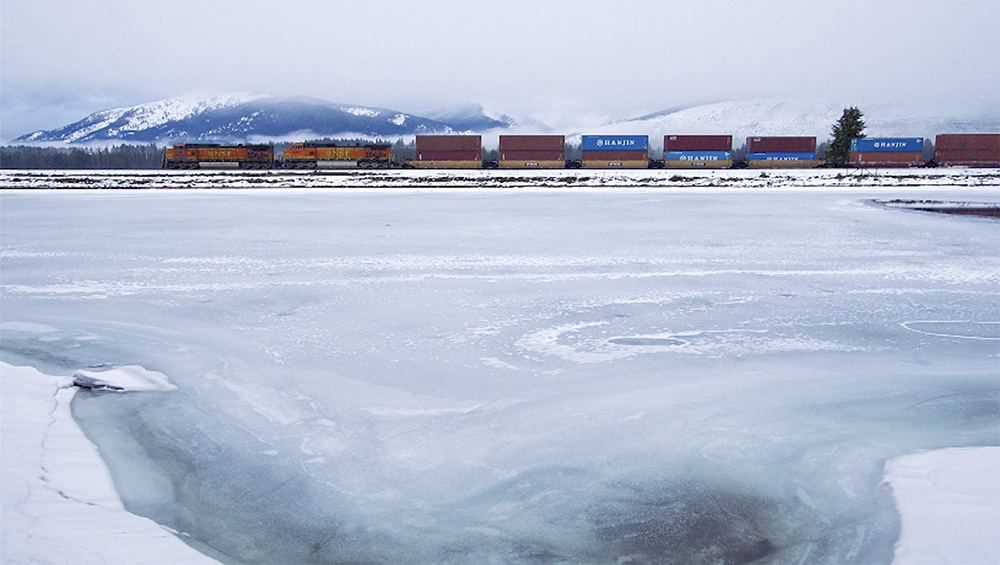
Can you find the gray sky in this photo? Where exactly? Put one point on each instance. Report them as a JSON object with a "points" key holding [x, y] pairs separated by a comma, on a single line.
{"points": [[556, 61]]}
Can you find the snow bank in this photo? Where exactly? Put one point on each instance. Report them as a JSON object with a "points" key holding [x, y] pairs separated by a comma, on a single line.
{"points": [[58, 502], [949, 504]]}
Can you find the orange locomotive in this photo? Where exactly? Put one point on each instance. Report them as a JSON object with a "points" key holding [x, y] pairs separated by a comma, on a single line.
{"points": [[192, 155], [313, 155]]}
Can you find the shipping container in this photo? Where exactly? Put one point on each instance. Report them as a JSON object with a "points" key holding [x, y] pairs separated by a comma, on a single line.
{"points": [[700, 159], [960, 141], [614, 163], [776, 156], [967, 157], [471, 164], [697, 143], [508, 155], [532, 164], [781, 145], [449, 143], [532, 143], [439, 155], [775, 160], [611, 159], [697, 156], [614, 155], [885, 159], [697, 164], [615, 143], [887, 145]]}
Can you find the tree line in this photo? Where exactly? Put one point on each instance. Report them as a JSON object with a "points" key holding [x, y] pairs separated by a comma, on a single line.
{"points": [[115, 157]]}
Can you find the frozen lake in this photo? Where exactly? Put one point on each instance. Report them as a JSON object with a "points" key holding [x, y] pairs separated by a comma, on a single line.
{"points": [[530, 376]]}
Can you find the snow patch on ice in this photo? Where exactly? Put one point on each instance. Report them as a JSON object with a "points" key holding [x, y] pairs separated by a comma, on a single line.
{"points": [[949, 505], [126, 378], [959, 329], [497, 363]]}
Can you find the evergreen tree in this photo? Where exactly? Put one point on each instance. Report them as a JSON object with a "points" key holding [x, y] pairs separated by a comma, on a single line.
{"points": [[849, 126]]}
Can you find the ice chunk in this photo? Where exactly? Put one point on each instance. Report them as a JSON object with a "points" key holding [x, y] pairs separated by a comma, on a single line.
{"points": [[124, 378]]}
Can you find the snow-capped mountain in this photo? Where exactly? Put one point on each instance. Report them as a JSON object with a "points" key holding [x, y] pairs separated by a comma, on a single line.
{"points": [[258, 118], [798, 116], [251, 118], [472, 117]]}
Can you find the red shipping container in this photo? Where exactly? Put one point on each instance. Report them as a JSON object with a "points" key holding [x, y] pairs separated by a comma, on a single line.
{"points": [[559, 155], [449, 142], [986, 141], [532, 142], [697, 143], [614, 155], [909, 159], [967, 157], [468, 155], [781, 145]]}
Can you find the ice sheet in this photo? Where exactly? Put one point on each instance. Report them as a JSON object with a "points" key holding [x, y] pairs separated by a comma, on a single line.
{"points": [[514, 377]]}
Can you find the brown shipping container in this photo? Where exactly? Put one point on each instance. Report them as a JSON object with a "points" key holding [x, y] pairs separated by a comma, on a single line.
{"points": [[697, 164], [449, 142], [781, 145], [533, 164], [614, 155], [989, 141], [614, 163], [469, 155], [967, 157], [477, 164], [532, 155], [910, 159], [532, 143], [697, 143]]}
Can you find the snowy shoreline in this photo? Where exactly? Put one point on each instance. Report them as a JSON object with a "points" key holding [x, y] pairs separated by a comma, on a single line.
{"points": [[60, 506], [59, 503]]}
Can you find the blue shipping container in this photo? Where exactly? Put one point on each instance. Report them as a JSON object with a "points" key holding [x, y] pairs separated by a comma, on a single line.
{"points": [[697, 155], [887, 145], [615, 143], [781, 156]]}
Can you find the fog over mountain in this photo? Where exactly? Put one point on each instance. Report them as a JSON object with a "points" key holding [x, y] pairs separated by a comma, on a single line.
{"points": [[262, 118], [249, 118]]}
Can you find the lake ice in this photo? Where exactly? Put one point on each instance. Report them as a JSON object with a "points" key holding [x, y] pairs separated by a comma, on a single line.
{"points": [[517, 376]]}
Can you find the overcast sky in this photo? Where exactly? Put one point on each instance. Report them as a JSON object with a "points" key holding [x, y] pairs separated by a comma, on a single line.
{"points": [[551, 60]]}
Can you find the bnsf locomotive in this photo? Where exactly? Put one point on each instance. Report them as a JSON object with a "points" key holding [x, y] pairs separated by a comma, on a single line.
{"points": [[596, 151], [192, 155], [314, 155]]}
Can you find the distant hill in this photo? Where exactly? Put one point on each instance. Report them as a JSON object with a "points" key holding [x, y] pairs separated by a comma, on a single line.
{"points": [[472, 117], [257, 118]]}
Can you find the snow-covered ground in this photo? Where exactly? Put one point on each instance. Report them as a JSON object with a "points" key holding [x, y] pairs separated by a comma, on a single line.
{"points": [[528, 375], [573, 180]]}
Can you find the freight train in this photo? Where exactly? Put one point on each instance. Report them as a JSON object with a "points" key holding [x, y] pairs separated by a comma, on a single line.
{"points": [[597, 152]]}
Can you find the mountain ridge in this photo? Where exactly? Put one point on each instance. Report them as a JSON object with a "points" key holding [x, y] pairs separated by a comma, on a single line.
{"points": [[250, 118]]}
